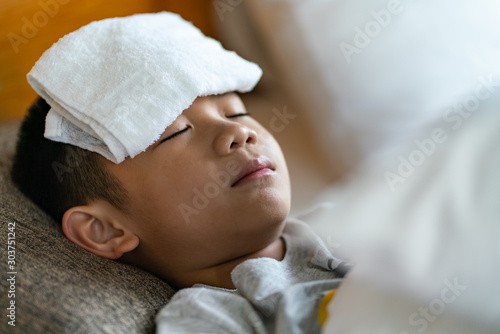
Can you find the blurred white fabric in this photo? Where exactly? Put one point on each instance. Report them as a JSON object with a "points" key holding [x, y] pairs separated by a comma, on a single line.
{"points": [[368, 74], [433, 241], [414, 115]]}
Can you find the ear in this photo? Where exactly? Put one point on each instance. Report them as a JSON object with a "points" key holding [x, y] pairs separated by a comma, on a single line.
{"points": [[93, 228]]}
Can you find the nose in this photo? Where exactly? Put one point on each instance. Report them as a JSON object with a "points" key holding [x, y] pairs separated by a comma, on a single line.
{"points": [[232, 137]]}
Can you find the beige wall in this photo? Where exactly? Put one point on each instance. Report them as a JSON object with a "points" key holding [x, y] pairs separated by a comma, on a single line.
{"points": [[30, 27]]}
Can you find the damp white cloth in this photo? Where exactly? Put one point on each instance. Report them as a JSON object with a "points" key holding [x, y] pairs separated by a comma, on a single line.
{"points": [[115, 85]]}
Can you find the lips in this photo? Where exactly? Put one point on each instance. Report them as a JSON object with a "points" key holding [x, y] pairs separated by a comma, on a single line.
{"points": [[254, 169]]}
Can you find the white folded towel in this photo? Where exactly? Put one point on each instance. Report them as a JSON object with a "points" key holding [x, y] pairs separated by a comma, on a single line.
{"points": [[115, 85]]}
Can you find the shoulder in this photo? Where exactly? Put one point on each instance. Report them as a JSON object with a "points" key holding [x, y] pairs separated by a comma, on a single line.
{"points": [[297, 232], [207, 309], [303, 244]]}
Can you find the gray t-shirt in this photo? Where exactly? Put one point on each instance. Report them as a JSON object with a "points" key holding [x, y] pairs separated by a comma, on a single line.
{"points": [[270, 297]]}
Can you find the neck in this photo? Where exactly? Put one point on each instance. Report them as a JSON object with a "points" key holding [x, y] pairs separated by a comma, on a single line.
{"points": [[220, 275]]}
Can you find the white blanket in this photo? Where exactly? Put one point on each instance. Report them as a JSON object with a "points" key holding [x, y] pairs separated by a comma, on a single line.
{"points": [[427, 248]]}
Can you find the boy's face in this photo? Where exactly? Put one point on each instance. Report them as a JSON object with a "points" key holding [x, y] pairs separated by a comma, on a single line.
{"points": [[213, 188]]}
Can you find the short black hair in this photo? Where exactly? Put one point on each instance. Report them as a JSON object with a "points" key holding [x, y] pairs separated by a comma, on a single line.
{"points": [[58, 176]]}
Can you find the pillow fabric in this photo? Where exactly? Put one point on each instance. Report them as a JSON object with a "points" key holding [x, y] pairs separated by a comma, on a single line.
{"points": [[368, 74], [58, 287]]}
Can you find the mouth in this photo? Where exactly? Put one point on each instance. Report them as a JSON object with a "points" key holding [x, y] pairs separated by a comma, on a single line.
{"points": [[253, 170]]}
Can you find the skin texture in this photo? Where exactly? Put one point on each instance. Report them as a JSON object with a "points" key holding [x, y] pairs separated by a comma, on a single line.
{"points": [[192, 216]]}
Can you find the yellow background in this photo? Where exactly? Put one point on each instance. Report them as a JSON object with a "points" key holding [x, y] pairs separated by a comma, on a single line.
{"points": [[58, 18]]}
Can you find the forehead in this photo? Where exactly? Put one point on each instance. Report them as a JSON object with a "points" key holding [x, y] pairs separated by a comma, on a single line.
{"points": [[222, 99], [204, 103]]}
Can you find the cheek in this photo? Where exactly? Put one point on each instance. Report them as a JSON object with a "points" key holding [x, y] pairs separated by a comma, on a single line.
{"points": [[283, 191], [274, 151], [269, 141], [187, 195], [158, 193]]}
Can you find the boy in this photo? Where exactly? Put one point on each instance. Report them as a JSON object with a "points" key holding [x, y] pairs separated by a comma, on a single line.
{"points": [[205, 204]]}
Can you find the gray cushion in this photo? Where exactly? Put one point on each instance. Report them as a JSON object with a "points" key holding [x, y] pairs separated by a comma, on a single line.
{"points": [[60, 288]]}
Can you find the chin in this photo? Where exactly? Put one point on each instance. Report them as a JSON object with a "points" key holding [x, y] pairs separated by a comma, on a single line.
{"points": [[278, 207], [275, 215]]}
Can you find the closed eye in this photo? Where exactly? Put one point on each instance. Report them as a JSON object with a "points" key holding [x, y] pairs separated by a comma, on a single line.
{"points": [[175, 134], [238, 115]]}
